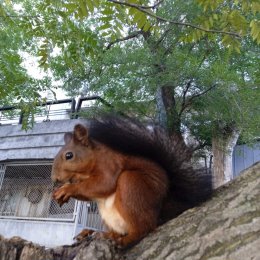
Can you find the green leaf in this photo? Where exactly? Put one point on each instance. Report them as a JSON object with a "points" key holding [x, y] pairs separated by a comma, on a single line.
{"points": [[104, 27], [90, 5], [107, 11], [133, 11], [96, 3], [255, 7], [83, 11], [71, 7], [147, 26], [255, 30]]}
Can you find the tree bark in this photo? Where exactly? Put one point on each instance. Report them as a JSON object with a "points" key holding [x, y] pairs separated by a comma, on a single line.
{"points": [[222, 149], [161, 113], [225, 227]]}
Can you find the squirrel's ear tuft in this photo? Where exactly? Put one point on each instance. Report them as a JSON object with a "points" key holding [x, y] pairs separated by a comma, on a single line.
{"points": [[67, 137], [81, 134]]}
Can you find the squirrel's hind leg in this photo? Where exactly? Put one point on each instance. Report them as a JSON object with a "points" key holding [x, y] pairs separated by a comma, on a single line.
{"points": [[84, 234]]}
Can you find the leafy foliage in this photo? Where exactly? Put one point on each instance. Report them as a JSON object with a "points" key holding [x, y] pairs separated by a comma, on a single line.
{"points": [[203, 53], [16, 86]]}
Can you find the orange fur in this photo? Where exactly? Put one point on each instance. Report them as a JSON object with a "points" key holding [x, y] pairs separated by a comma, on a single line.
{"points": [[129, 189]]}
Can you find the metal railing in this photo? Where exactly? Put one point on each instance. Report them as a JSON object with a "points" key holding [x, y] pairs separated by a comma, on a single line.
{"points": [[88, 216], [65, 109], [26, 188]]}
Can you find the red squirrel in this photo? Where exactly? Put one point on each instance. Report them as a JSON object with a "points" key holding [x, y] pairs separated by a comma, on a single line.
{"points": [[135, 174]]}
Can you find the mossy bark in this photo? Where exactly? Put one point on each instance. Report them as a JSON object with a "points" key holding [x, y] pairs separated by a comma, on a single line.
{"points": [[225, 227]]}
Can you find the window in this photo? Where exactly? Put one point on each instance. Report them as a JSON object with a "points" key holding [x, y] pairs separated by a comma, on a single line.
{"points": [[26, 192]]}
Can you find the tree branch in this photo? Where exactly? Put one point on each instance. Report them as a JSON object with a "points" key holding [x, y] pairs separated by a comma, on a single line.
{"points": [[19, 16], [183, 104], [145, 10], [224, 227], [162, 37], [130, 36], [203, 92], [187, 103]]}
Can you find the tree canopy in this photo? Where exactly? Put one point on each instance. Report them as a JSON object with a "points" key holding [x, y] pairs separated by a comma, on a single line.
{"points": [[187, 65]]}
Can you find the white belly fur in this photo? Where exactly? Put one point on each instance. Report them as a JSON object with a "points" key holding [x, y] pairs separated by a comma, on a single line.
{"points": [[111, 216]]}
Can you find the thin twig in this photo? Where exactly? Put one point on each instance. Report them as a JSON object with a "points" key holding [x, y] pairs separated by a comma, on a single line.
{"points": [[19, 16], [203, 92], [186, 103], [159, 18], [130, 36], [162, 37], [183, 104]]}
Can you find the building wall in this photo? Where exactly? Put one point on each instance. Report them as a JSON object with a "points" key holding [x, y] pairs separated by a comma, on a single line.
{"points": [[37, 144], [49, 234], [244, 156], [41, 142]]}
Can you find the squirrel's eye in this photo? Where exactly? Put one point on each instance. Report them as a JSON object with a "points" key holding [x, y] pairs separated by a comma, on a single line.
{"points": [[69, 155]]}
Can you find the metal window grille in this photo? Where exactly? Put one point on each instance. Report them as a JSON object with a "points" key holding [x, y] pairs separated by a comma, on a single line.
{"points": [[89, 216], [26, 192]]}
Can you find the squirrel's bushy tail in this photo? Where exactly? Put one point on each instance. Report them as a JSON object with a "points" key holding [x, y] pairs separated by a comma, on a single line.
{"points": [[188, 186]]}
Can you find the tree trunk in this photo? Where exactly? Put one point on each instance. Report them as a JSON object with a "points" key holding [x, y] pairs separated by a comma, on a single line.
{"points": [[225, 227], [222, 149], [170, 120], [161, 113]]}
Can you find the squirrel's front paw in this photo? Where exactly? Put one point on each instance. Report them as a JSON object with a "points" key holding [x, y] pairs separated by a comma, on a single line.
{"points": [[63, 194]]}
